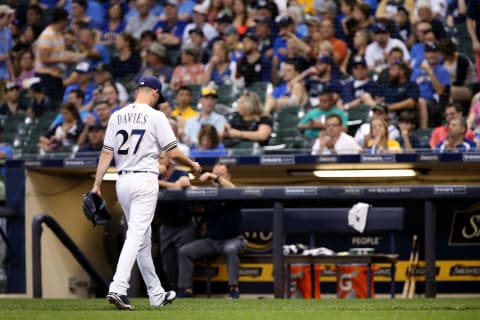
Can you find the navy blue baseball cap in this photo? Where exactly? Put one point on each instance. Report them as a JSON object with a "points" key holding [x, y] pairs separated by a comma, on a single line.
{"points": [[151, 82]]}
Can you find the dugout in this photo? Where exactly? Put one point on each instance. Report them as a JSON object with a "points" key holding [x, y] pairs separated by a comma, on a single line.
{"points": [[55, 187]]}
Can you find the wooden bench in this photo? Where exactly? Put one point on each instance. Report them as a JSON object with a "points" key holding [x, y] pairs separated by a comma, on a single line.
{"points": [[325, 221]]}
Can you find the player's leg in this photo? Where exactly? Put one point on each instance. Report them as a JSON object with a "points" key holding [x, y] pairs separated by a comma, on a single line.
{"points": [[134, 189], [117, 293]]}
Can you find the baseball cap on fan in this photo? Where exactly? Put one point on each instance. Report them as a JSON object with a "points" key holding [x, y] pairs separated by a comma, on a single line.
{"points": [[153, 83]]}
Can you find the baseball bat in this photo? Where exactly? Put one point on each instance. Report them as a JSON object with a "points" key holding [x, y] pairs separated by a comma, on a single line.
{"points": [[406, 285], [413, 277]]}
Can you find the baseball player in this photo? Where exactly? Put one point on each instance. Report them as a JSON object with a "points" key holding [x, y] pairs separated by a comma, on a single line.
{"points": [[135, 136]]}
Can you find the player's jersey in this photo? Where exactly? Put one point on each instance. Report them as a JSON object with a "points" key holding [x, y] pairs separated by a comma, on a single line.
{"points": [[136, 134]]}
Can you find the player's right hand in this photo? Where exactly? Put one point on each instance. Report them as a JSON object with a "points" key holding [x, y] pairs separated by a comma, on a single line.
{"points": [[197, 169], [96, 190]]}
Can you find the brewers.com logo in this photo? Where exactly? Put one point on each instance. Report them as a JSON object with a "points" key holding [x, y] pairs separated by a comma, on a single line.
{"points": [[466, 227]]}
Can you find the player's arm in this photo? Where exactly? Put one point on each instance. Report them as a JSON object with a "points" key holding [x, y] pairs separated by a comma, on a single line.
{"points": [[104, 161], [178, 156]]}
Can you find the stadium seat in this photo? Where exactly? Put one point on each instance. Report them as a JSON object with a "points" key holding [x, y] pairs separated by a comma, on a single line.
{"points": [[424, 136], [357, 116]]}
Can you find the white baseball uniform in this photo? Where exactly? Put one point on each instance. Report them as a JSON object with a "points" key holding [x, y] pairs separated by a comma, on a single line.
{"points": [[136, 134]]}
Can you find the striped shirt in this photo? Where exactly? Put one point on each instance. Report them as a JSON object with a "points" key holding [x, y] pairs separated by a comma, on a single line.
{"points": [[52, 41]]}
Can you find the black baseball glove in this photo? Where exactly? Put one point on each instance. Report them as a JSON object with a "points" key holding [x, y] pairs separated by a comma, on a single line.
{"points": [[94, 208]]}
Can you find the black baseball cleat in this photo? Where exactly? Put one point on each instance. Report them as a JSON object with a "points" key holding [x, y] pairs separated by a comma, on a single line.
{"points": [[120, 301], [168, 297]]}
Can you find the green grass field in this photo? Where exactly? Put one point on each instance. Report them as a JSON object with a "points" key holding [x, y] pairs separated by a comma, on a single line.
{"points": [[224, 309]]}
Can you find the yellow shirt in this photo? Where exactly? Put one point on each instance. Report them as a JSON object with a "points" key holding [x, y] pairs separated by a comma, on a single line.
{"points": [[392, 145], [185, 114]]}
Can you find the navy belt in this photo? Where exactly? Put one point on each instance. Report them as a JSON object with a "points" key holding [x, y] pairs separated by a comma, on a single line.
{"points": [[134, 171]]}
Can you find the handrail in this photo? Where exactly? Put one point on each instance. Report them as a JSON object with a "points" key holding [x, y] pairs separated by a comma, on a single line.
{"points": [[68, 243]]}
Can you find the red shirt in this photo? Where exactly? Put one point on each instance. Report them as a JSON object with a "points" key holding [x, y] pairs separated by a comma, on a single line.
{"points": [[440, 133]]}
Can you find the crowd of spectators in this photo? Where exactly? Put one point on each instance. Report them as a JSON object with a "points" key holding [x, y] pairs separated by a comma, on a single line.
{"points": [[409, 61]]}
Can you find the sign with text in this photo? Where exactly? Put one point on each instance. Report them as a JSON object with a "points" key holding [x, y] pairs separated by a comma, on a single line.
{"points": [[465, 228]]}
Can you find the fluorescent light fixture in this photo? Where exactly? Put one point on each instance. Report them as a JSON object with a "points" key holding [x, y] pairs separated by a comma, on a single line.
{"points": [[359, 173]]}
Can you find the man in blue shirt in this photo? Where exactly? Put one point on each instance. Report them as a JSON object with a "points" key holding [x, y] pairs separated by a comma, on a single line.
{"points": [[399, 93], [6, 44], [433, 81]]}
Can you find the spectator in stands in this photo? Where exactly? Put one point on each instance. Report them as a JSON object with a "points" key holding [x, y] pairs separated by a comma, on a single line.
{"points": [[318, 77], [145, 20], [199, 21], [252, 67], [23, 67], [287, 28], [433, 82], [248, 123], [379, 110], [147, 38], [77, 97], [473, 27], [395, 56], [327, 28], [81, 78], [24, 40], [219, 69], [12, 105], [440, 133], [406, 125], [50, 55], [223, 20], [197, 39], [127, 61], [231, 38], [455, 140], [40, 102], [360, 90], [156, 64], [434, 12], [64, 134], [399, 93], [263, 31], [183, 110], [224, 237], [190, 71], [461, 70], [362, 12], [110, 93], [177, 224], [333, 140], [207, 115], [114, 24], [213, 11], [95, 137], [34, 19], [287, 93], [361, 40], [209, 143], [389, 8], [378, 50], [314, 121], [103, 75], [95, 53], [241, 18], [402, 24], [424, 35], [169, 30], [378, 141], [78, 13], [313, 36]]}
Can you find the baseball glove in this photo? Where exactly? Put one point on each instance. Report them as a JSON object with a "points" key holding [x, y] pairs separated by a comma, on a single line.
{"points": [[94, 208]]}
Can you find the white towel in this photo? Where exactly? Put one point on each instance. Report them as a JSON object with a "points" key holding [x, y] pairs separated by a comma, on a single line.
{"points": [[357, 216]]}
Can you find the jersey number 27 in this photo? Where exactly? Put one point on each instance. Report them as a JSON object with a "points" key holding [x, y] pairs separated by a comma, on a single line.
{"points": [[135, 134]]}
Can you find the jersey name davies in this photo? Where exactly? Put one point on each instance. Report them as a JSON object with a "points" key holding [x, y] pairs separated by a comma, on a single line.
{"points": [[132, 118]]}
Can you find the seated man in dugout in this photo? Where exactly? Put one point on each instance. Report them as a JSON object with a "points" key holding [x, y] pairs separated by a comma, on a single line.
{"points": [[224, 237]]}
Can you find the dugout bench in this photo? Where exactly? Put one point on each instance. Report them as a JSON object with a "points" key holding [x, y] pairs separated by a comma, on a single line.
{"points": [[330, 221]]}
